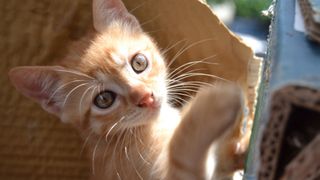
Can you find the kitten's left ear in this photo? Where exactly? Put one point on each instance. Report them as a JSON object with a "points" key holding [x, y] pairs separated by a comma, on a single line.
{"points": [[106, 11], [38, 83]]}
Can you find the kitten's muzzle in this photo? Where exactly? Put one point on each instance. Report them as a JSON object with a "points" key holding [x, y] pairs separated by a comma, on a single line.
{"points": [[143, 98], [147, 101]]}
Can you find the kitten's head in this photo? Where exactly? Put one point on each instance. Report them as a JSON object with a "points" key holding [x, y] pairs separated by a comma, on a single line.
{"points": [[119, 79]]}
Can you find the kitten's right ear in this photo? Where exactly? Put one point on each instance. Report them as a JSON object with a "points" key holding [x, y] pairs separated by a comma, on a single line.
{"points": [[106, 11], [38, 83]]}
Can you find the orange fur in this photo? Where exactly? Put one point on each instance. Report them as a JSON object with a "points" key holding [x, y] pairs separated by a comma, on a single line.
{"points": [[127, 141]]}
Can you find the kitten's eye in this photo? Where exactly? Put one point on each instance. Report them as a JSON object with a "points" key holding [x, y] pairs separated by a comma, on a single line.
{"points": [[105, 99], [139, 63]]}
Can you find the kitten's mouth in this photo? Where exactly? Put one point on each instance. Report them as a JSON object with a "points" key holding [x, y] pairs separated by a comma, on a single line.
{"points": [[148, 109], [146, 115], [150, 102], [157, 102], [154, 108]]}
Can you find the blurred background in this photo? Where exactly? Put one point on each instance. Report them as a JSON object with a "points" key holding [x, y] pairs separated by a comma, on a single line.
{"points": [[247, 19]]}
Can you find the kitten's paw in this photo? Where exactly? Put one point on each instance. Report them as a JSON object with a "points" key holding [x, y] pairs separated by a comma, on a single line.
{"points": [[224, 97], [209, 115], [218, 107]]}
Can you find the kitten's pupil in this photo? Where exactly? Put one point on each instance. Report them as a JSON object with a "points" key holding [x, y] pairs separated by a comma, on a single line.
{"points": [[139, 63], [104, 99]]}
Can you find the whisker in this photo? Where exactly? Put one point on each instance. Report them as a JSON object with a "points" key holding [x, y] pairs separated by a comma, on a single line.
{"points": [[114, 125], [196, 84], [119, 177], [178, 52], [112, 160], [61, 87], [70, 92], [136, 145], [181, 84], [153, 31], [182, 94], [188, 75], [150, 20], [178, 70], [126, 152], [187, 48], [192, 89], [179, 99], [188, 83], [93, 91], [190, 64], [139, 139], [121, 149], [172, 46], [174, 80], [106, 136], [176, 101], [81, 99], [137, 7], [86, 141], [94, 153], [75, 73], [114, 150], [132, 163], [137, 172], [91, 131]]}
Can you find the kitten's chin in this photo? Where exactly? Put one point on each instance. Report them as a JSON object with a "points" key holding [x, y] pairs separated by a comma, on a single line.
{"points": [[151, 114], [146, 117]]}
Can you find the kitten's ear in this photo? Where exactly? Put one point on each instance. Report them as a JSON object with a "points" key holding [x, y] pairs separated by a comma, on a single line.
{"points": [[39, 84], [106, 11]]}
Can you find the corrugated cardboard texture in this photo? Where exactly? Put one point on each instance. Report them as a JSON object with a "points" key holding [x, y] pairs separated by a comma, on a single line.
{"points": [[312, 26], [305, 166], [292, 125], [35, 145]]}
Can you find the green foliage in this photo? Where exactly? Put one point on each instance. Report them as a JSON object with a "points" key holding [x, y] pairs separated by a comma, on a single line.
{"points": [[248, 8], [251, 8], [216, 1]]}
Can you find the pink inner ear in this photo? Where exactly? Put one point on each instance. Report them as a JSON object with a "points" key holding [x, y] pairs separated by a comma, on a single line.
{"points": [[105, 11], [116, 4], [29, 81], [36, 83]]}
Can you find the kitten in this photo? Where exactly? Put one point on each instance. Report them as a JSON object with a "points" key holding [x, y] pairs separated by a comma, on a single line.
{"points": [[113, 88]]}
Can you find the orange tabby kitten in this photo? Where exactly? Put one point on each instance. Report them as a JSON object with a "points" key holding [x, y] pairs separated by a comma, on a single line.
{"points": [[113, 87]]}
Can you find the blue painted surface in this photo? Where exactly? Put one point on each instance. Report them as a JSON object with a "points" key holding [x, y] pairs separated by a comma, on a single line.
{"points": [[315, 4], [296, 60], [292, 60]]}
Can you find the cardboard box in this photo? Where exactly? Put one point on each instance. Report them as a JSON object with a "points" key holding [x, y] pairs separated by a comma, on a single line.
{"points": [[35, 145]]}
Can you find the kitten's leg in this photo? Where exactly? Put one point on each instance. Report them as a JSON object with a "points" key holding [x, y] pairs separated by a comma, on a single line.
{"points": [[230, 152], [206, 118]]}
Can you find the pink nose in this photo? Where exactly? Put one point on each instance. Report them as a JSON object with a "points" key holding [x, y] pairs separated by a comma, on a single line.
{"points": [[142, 97], [147, 100]]}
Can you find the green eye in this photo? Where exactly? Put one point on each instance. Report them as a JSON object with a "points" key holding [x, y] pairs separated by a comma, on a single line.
{"points": [[139, 63], [104, 99]]}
